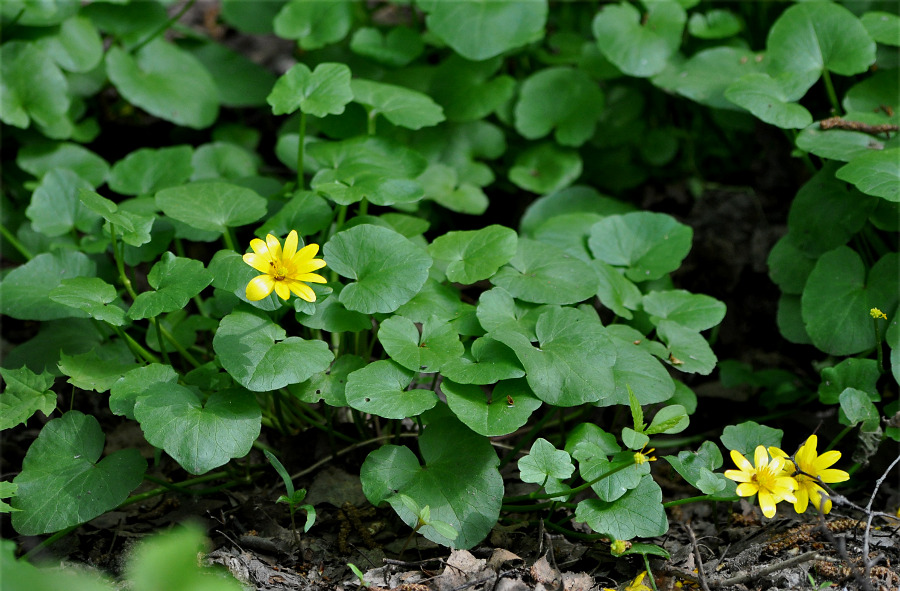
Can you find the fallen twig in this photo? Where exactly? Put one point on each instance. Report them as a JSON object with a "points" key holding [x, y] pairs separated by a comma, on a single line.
{"points": [[701, 574], [838, 123], [752, 575], [867, 565]]}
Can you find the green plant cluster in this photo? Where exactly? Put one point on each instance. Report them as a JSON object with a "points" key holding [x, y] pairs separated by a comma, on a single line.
{"points": [[395, 121]]}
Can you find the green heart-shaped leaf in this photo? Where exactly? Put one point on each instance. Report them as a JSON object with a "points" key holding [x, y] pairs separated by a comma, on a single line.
{"points": [[329, 385], [314, 24], [838, 295], [691, 310], [544, 274], [767, 98], [125, 391], [648, 244], [25, 393], [545, 168], [476, 254], [213, 206], [397, 48], [62, 484], [487, 362], [255, 352], [572, 364], [544, 461], [427, 352], [198, 436], [25, 291], [175, 281], [637, 514], [389, 269], [563, 98], [148, 170], [715, 24], [640, 48], [34, 88], [55, 208], [860, 374], [688, 350], [41, 158], [459, 481], [324, 91], [883, 27], [704, 77], [380, 388], [134, 228], [745, 438], [91, 295], [491, 415], [401, 106], [478, 30], [467, 90], [165, 81]]}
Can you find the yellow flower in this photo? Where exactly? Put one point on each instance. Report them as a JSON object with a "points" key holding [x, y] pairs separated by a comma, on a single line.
{"points": [[876, 314], [810, 469], [640, 457], [765, 478], [285, 271], [638, 583], [618, 547]]}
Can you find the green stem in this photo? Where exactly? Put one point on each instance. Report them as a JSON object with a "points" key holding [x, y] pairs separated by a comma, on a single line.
{"points": [[159, 340], [136, 348], [649, 572], [363, 206], [15, 242], [300, 150], [164, 27], [839, 436], [118, 255], [574, 534], [229, 240], [878, 352], [49, 541], [179, 250], [181, 350], [571, 491], [697, 499], [371, 116], [832, 95], [525, 440]]}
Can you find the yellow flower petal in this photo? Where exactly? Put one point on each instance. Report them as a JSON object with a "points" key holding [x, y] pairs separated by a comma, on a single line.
{"points": [[740, 461], [260, 287], [290, 245], [738, 476], [305, 253], [307, 266], [767, 503], [826, 459], [831, 475], [747, 489], [802, 501], [761, 457], [311, 278], [282, 290], [776, 453], [302, 290], [259, 262], [274, 247], [259, 247]]}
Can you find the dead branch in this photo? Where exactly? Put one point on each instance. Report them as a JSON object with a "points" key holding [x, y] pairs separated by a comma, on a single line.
{"points": [[752, 575], [838, 123]]}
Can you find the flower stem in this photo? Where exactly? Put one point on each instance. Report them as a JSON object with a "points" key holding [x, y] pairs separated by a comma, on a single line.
{"points": [[15, 241], [229, 241], [159, 340], [571, 491], [118, 255], [832, 95], [181, 350], [698, 499], [136, 348], [163, 27], [300, 150]]}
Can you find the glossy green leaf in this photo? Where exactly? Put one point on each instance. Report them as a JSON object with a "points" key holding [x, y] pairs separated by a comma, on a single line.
{"points": [[715, 24], [39, 159], [857, 408], [746, 436], [470, 91], [544, 274], [811, 38], [148, 170], [41, 353], [99, 368], [305, 212], [789, 266], [638, 513], [55, 208], [255, 352], [688, 350], [766, 97], [320, 92], [642, 372], [213, 206], [91, 295], [380, 388], [199, 436], [474, 255], [826, 213], [691, 310], [572, 364], [240, 82], [648, 244], [314, 24], [491, 414], [705, 76], [25, 291], [62, 484], [564, 99], [401, 106], [670, 419], [697, 468], [132, 228], [569, 232], [331, 315], [638, 46], [544, 461], [461, 145], [175, 281], [223, 160], [375, 169], [24, 394], [867, 95], [498, 310], [572, 200], [396, 48], [875, 173], [859, 374], [32, 87], [76, 47], [387, 269], [487, 362], [842, 144], [329, 385], [838, 296], [459, 481], [135, 383], [165, 81], [423, 350], [545, 168], [883, 27], [478, 30]]}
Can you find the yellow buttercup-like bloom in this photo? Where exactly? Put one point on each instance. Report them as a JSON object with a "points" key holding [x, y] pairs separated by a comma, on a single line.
{"points": [[284, 271], [810, 469], [765, 478]]}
